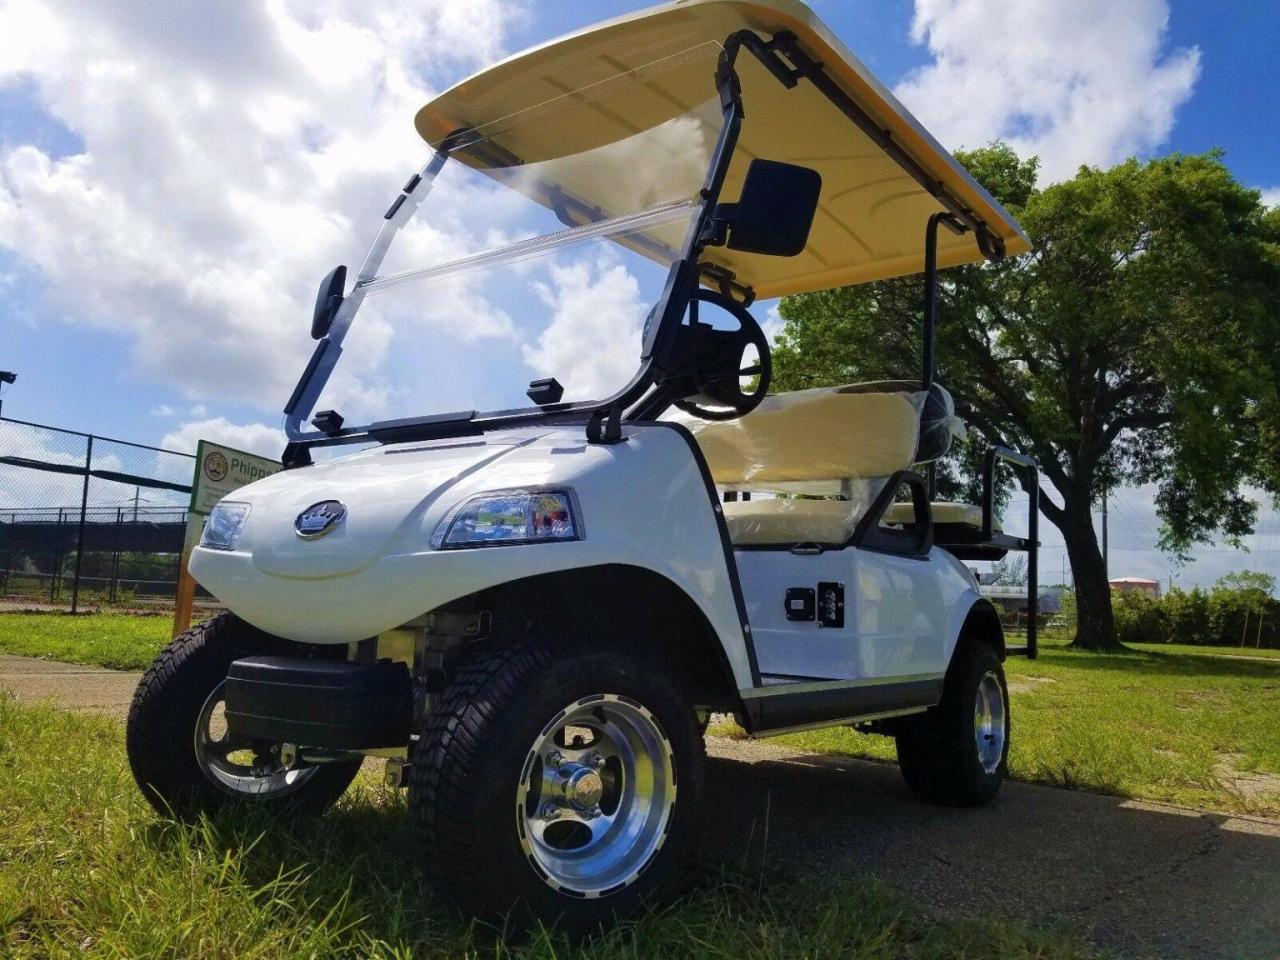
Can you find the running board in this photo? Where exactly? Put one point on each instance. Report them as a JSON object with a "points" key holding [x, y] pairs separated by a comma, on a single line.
{"points": [[775, 708]]}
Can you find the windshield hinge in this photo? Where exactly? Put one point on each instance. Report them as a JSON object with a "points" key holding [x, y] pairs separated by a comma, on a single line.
{"points": [[605, 425], [729, 85], [716, 232]]}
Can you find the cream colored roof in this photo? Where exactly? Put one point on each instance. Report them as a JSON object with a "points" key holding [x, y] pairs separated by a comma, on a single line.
{"points": [[872, 213]]}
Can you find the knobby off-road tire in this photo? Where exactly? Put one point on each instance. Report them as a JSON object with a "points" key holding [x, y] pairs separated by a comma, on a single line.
{"points": [[170, 702], [957, 753], [499, 749]]}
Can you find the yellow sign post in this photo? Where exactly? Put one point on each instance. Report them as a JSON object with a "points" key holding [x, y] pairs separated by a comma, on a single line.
{"points": [[220, 471]]}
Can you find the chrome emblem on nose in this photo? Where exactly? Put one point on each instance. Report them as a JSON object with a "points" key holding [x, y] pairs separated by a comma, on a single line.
{"points": [[318, 519]]}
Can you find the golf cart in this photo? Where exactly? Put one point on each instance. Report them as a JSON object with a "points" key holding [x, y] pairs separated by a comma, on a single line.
{"points": [[531, 613]]}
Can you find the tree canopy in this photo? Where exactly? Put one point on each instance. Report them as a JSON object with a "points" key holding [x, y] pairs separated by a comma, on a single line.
{"points": [[1138, 343]]}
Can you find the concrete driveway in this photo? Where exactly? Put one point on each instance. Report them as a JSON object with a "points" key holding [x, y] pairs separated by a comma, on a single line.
{"points": [[1139, 877], [70, 685]]}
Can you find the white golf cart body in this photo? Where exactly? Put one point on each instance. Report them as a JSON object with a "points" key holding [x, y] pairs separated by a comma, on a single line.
{"points": [[811, 611]]}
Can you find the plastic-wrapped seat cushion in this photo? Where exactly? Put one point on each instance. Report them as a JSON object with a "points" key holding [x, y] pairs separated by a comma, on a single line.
{"points": [[966, 514], [939, 424], [787, 521], [813, 435], [812, 441]]}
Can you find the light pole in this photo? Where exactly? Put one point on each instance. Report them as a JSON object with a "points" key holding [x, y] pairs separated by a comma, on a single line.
{"points": [[6, 377]]}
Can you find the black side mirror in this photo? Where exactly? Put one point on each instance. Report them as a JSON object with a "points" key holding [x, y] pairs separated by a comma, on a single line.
{"points": [[328, 300], [775, 211]]}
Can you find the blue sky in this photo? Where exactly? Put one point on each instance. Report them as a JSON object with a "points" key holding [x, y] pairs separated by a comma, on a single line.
{"points": [[176, 176]]}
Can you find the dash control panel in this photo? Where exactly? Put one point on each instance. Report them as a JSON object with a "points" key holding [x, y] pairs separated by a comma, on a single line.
{"points": [[823, 605]]}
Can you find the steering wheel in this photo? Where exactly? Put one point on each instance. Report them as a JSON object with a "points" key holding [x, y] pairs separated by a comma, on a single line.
{"points": [[717, 359]]}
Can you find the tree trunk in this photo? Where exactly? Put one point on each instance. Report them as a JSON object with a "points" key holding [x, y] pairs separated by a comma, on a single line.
{"points": [[1095, 627]]}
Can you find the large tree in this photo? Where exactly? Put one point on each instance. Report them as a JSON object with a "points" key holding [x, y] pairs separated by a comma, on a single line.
{"points": [[1136, 344]]}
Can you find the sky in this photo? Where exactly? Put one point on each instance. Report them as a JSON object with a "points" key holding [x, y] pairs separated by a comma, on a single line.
{"points": [[176, 176]]}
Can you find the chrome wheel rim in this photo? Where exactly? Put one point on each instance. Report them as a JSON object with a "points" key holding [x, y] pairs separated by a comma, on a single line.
{"points": [[240, 766], [988, 721], [596, 795]]}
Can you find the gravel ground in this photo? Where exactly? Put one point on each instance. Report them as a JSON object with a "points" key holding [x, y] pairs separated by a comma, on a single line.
{"points": [[1143, 878]]}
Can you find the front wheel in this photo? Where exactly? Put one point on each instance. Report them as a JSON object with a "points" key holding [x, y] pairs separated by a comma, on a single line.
{"points": [[557, 784], [180, 751], [957, 754]]}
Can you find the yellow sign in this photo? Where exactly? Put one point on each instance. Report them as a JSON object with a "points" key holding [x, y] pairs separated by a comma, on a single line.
{"points": [[220, 471]]}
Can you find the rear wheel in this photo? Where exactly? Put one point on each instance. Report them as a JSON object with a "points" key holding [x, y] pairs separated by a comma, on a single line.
{"points": [[180, 751], [557, 785], [957, 754]]}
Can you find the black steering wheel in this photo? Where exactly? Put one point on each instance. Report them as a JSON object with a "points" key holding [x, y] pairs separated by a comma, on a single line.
{"points": [[716, 361]]}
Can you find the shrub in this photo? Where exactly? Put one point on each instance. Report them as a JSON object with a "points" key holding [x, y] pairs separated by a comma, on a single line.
{"points": [[1220, 617]]}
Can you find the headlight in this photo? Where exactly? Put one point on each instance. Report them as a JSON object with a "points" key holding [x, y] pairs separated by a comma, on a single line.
{"points": [[222, 529], [510, 517]]}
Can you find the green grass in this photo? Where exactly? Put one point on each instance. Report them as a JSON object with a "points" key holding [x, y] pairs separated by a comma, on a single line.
{"points": [[89, 870], [120, 640], [1193, 729]]}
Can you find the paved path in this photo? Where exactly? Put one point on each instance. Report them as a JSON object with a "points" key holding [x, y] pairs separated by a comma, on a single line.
{"points": [[70, 684], [1142, 878]]}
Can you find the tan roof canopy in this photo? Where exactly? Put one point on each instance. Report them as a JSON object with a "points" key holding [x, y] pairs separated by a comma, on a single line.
{"points": [[872, 213]]}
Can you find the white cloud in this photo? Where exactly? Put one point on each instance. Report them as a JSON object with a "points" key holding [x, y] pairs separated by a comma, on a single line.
{"points": [[592, 343], [1271, 196], [251, 437], [231, 153], [163, 410], [772, 324], [1081, 82]]}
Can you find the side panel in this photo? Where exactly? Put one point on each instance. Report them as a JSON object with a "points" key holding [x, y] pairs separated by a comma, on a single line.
{"points": [[644, 502], [901, 619], [798, 649]]}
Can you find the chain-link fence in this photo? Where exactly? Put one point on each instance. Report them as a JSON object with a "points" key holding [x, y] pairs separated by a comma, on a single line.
{"points": [[88, 521]]}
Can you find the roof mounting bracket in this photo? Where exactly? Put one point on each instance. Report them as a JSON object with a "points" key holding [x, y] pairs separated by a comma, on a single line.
{"points": [[803, 65], [766, 52], [727, 282], [992, 247]]}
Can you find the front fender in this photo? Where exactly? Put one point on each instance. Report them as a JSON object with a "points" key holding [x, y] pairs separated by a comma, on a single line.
{"points": [[644, 502]]}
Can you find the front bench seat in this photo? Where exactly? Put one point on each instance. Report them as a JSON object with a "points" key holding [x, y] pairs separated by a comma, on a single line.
{"points": [[784, 522], [829, 434]]}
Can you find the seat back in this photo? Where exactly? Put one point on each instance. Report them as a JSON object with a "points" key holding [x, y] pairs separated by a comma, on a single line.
{"points": [[829, 434]]}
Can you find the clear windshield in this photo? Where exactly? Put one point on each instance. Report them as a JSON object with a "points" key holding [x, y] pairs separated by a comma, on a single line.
{"points": [[545, 240]]}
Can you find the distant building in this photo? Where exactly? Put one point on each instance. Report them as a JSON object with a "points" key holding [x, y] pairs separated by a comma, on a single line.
{"points": [[1014, 600], [1138, 585]]}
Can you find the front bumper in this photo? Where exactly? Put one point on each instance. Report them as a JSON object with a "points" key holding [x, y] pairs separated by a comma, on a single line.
{"points": [[320, 703]]}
